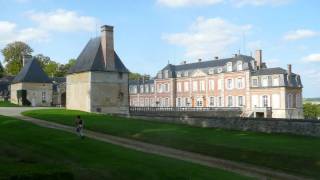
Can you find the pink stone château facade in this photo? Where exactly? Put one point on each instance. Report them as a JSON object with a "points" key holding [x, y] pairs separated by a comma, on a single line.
{"points": [[240, 81]]}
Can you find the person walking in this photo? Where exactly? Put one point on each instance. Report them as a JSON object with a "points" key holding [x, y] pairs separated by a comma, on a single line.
{"points": [[79, 126]]}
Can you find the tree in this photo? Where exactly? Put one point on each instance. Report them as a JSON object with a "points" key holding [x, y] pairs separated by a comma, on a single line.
{"points": [[1, 70], [13, 53], [311, 111], [134, 76], [64, 68], [49, 66]]}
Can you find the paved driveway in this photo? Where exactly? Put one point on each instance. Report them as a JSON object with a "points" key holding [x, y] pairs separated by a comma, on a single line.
{"points": [[16, 111]]}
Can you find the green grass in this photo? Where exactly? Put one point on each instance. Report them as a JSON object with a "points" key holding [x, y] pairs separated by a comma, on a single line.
{"points": [[293, 154], [28, 151], [7, 104]]}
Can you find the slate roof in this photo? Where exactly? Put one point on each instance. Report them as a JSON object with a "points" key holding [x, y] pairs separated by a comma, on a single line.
{"points": [[138, 82], [207, 64], [269, 71], [32, 72], [91, 59]]}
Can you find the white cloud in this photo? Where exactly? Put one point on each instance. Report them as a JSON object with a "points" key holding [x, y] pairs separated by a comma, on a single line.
{"points": [[63, 21], [312, 58], [207, 38], [241, 3], [299, 34], [183, 3], [9, 33]]}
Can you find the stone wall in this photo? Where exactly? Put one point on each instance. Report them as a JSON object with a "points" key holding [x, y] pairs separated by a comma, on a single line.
{"points": [[34, 93], [298, 127]]}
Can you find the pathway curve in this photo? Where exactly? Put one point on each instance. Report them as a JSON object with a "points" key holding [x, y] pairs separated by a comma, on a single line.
{"points": [[241, 168]]}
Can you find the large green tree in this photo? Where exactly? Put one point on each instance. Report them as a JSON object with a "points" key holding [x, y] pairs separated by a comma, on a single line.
{"points": [[311, 111], [1, 70], [49, 66], [13, 53], [64, 68]]}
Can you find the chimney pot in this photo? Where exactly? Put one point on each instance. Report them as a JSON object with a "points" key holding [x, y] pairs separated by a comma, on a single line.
{"points": [[25, 59], [199, 60], [216, 58], [289, 69]]}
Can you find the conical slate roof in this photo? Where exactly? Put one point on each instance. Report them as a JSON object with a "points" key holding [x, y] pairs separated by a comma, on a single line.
{"points": [[91, 59], [32, 73]]}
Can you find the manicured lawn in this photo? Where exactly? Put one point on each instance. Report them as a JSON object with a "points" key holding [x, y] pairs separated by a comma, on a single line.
{"points": [[7, 104], [31, 152], [294, 154]]}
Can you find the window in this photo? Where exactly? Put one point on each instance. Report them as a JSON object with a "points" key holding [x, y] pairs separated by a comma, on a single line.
{"points": [[187, 102], [240, 101], [202, 86], [220, 101], [199, 102], [230, 101], [141, 89], [195, 86], [265, 101], [166, 102], [255, 82], [211, 101], [166, 87], [211, 71], [219, 70], [229, 83], [240, 82], [264, 81], [160, 88], [229, 66], [146, 87], [178, 102], [186, 73], [289, 103], [179, 86], [44, 97], [239, 65], [211, 85], [152, 102], [178, 74], [220, 84], [152, 88], [146, 102], [186, 86], [166, 74], [275, 81]]}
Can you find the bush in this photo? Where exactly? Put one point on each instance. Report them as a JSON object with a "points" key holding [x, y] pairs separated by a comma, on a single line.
{"points": [[311, 111]]}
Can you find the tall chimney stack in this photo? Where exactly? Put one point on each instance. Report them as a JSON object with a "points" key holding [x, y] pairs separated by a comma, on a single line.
{"points": [[258, 58], [108, 47], [289, 73], [25, 59]]}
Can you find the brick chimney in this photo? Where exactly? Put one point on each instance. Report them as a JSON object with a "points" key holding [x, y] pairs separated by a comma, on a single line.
{"points": [[289, 74], [108, 47], [258, 58], [25, 59]]}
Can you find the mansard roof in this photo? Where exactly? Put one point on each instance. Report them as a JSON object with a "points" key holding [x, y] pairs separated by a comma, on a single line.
{"points": [[207, 64], [140, 82], [91, 59], [32, 72], [269, 71]]}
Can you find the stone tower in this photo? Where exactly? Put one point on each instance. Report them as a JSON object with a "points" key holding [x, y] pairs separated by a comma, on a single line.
{"points": [[98, 82]]}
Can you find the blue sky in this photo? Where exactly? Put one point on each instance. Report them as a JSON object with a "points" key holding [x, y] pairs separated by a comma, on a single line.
{"points": [[151, 33]]}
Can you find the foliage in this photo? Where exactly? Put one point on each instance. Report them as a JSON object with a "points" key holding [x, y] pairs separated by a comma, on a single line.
{"points": [[33, 152], [290, 153], [64, 68], [311, 111], [13, 53], [1, 70], [134, 76]]}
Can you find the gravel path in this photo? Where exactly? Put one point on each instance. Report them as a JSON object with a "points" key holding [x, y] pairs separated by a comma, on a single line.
{"points": [[241, 168]]}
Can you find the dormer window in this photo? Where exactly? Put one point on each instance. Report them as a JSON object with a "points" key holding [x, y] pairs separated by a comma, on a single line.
{"points": [[160, 75], [219, 70], [178, 74], [229, 66], [166, 74], [211, 71], [186, 73], [239, 66]]}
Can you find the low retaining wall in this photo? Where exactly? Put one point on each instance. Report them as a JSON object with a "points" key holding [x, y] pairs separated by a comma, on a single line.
{"points": [[298, 127]]}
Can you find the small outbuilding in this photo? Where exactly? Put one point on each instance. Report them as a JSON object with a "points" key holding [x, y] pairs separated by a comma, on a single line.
{"points": [[31, 86], [98, 82]]}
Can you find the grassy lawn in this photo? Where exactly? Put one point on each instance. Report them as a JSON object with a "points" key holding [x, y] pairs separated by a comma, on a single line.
{"points": [[31, 152], [294, 154], [7, 104]]}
